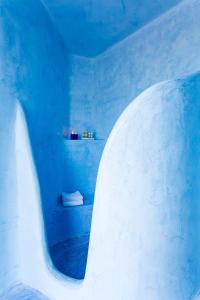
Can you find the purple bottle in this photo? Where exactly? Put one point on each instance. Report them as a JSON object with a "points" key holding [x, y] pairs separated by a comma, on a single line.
{"points": [[74, 135]]}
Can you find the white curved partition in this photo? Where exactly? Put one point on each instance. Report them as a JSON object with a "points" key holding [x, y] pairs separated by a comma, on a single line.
{"points": [[144, 239], [146, 216], [36, 269]]}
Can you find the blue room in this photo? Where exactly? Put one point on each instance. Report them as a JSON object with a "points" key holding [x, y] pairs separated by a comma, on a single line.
{"points": [[99, 157]]}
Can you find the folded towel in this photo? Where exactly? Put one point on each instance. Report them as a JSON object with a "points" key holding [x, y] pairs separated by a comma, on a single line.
{"points": [[73, 203], [72, 199], [74, 195]]}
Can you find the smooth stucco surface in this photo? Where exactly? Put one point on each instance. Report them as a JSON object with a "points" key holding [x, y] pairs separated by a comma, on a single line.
{"points": [[35, 68], [58, 90], [8, 204], [90, 27], [147, 192], [152, 247], [165, 49], [21, 292], [94, 92]]}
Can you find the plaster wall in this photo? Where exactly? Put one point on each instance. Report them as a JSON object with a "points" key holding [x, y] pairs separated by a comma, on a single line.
{"points": [[38, 75], [71, 222], [147, 196], [107, 84], [101, 88], [90, 94], [152, 247], [84, 156], [8, 191], [165, 49], [36, 58], [90, 27]]}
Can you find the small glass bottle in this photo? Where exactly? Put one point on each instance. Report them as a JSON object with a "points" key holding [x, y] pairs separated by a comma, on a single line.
{"points": [[73, 135]]}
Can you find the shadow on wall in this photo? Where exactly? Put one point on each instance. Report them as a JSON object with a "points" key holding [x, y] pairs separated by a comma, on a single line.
{"points": [[42, 85], [41, 71], [8, 188]]}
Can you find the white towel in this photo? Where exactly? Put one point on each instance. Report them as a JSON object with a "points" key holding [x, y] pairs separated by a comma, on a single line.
{"points": [[72, 199]]}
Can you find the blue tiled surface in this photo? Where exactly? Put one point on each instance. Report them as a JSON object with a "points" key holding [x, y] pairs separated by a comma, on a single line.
{"points": [[70, 256]]}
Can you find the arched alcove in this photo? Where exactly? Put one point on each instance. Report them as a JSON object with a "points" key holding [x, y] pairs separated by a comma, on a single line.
{"points": [[144, 238]]}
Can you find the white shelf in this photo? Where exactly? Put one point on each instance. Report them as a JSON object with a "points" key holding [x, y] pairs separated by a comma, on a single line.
{"points": [[84, 140]]}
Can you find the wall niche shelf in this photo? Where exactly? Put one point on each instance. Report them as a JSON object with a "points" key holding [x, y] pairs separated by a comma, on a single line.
{"points": [[84, 140]]}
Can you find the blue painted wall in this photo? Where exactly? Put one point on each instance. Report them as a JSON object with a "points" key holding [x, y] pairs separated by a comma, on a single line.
{"points": [[8, 191], [59, 91], [101, 87], [148, 244], [166, 48], [88, 27], [84, 156], [71, 222], [40, 65], [41, 70]]}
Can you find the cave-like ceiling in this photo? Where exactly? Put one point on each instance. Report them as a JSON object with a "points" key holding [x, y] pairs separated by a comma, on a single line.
{"points": [[89, 27]]}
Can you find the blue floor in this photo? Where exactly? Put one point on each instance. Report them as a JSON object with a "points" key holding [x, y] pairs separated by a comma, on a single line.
{"points": [[22, 292], [70, 256]]}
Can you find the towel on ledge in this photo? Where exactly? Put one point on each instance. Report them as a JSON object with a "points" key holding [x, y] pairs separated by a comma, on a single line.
{"points": [[72, 199]]}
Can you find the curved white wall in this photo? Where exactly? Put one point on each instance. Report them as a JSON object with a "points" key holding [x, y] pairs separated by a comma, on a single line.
{"points": [[144, 242], [144, 239]]}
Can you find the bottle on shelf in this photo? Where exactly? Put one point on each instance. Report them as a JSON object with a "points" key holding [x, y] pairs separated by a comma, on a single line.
{"points": [[73, 135], [88, 135]]}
